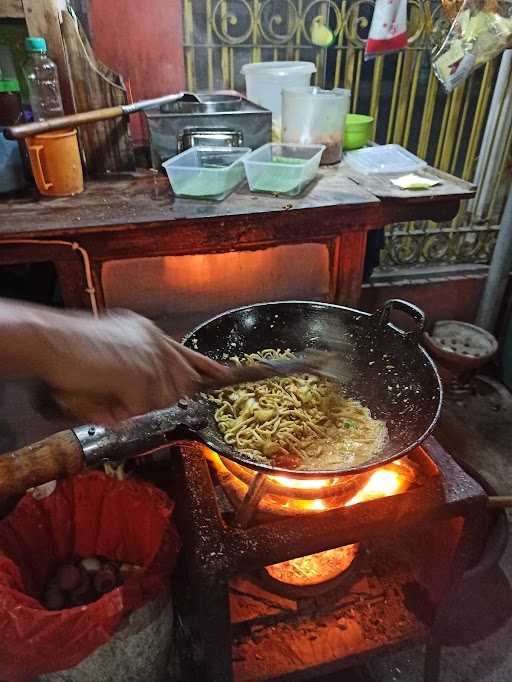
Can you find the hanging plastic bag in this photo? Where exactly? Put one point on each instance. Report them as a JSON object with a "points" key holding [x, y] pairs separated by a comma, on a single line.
{"points": [[388, 31], [87, 515], [480, 31]]}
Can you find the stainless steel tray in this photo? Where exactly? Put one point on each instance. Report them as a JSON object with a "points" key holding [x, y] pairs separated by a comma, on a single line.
{"points": [[167, 126]]}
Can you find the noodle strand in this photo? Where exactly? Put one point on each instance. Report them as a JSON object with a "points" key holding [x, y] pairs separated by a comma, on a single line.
{"points": [[301, 422]]}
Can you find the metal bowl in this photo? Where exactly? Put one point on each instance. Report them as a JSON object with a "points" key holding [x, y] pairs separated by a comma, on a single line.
{"points": [[209, 103]]}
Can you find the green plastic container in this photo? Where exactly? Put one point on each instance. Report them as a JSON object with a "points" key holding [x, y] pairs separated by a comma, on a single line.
{"points": [[283, 168], [358, 129], [206, 172]]}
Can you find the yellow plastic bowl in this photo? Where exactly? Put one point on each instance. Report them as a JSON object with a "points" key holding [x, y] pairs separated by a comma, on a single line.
{"points": [[357, 131]]}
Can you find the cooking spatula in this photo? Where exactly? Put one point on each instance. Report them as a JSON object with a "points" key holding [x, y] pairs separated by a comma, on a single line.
{"points": [[322, 363], [328, 364], [60, 122]]}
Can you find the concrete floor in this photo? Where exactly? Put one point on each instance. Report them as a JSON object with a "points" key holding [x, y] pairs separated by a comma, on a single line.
{"points": [[477, 429]]}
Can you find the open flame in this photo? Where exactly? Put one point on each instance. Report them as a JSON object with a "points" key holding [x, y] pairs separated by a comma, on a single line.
{"points": [[316, 568], [318, 504], [385, 481], [382, 483], [304, 484]]}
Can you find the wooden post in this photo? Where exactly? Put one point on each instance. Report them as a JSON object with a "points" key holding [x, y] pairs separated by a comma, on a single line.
{"points": [[43, 19], [352, 250], [11, 9]]}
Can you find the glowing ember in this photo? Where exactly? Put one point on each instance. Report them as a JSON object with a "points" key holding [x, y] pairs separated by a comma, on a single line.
{"points": [[314, 568]]}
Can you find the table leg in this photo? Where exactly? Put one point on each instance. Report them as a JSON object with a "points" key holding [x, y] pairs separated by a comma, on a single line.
{"points": [[334, 268], [213, 617], [351, 248], [73, 283]]}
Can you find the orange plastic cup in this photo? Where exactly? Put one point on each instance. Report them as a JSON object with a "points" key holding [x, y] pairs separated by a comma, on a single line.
{"points": [[56, 164]]}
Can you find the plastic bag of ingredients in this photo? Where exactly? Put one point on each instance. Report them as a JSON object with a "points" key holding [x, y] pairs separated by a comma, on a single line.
{"points": [[388, 30], [478, 32], [90, 515]]}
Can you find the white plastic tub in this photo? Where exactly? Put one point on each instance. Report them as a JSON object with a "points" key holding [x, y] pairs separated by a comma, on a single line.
{"points": [[265, 81], [282, 168], [206, 172]]}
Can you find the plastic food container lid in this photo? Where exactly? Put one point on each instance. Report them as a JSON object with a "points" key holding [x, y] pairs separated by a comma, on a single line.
{"points": [[278, 68], [388, 158]]}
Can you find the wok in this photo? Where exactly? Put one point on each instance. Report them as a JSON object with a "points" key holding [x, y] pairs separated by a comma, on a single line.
{"points": [[390, 373]]}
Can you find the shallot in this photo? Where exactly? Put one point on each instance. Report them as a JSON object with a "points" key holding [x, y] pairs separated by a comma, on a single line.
{"points": [[80, 582]]}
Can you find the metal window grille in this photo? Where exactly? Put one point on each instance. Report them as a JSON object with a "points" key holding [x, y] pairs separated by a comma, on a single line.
{"points": [[400, 91]]}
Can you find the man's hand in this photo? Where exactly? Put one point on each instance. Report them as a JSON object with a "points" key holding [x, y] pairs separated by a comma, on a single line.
{"points": [[121, 363]]}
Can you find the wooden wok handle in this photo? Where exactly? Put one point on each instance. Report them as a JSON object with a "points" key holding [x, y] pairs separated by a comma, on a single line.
{"points": [[54, 457], [38, 127], [501, 501]]}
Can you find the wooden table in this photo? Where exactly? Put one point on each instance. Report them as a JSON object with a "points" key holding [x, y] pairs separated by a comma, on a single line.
{"points": [[137, 216]]}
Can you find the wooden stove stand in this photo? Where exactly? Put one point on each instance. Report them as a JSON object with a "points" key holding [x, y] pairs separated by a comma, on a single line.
{"points": [[216, 554]]}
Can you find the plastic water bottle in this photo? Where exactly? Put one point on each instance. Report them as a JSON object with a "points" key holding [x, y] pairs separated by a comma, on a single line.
{"points": [[43, 81]]}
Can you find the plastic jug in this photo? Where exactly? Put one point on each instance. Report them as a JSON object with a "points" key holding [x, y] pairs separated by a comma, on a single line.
{"points": [[265, 81], [316, 116], [56, 164]]}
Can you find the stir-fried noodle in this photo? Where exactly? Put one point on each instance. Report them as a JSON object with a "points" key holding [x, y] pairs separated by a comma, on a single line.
{"points": [[297, 422]]}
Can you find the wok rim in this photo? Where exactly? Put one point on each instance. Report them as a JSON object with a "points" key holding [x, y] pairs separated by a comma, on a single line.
{"points": [[323, 473]]}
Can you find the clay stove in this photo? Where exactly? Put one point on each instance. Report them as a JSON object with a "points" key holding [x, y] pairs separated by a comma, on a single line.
{"points": [[289, 579]]}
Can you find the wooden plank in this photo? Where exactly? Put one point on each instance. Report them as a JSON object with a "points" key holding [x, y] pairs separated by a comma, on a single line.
{"points": [[375, 620], [438, 211], [147, 198], [107, 145], [43, 19], [11, 9], [381, 185]]}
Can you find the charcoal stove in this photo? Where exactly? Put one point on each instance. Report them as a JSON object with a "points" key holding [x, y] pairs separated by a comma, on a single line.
{"points": [[386, 550]]}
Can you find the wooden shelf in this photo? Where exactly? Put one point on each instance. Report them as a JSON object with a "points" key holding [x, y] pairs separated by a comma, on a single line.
{"points": [[370, 620]]}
